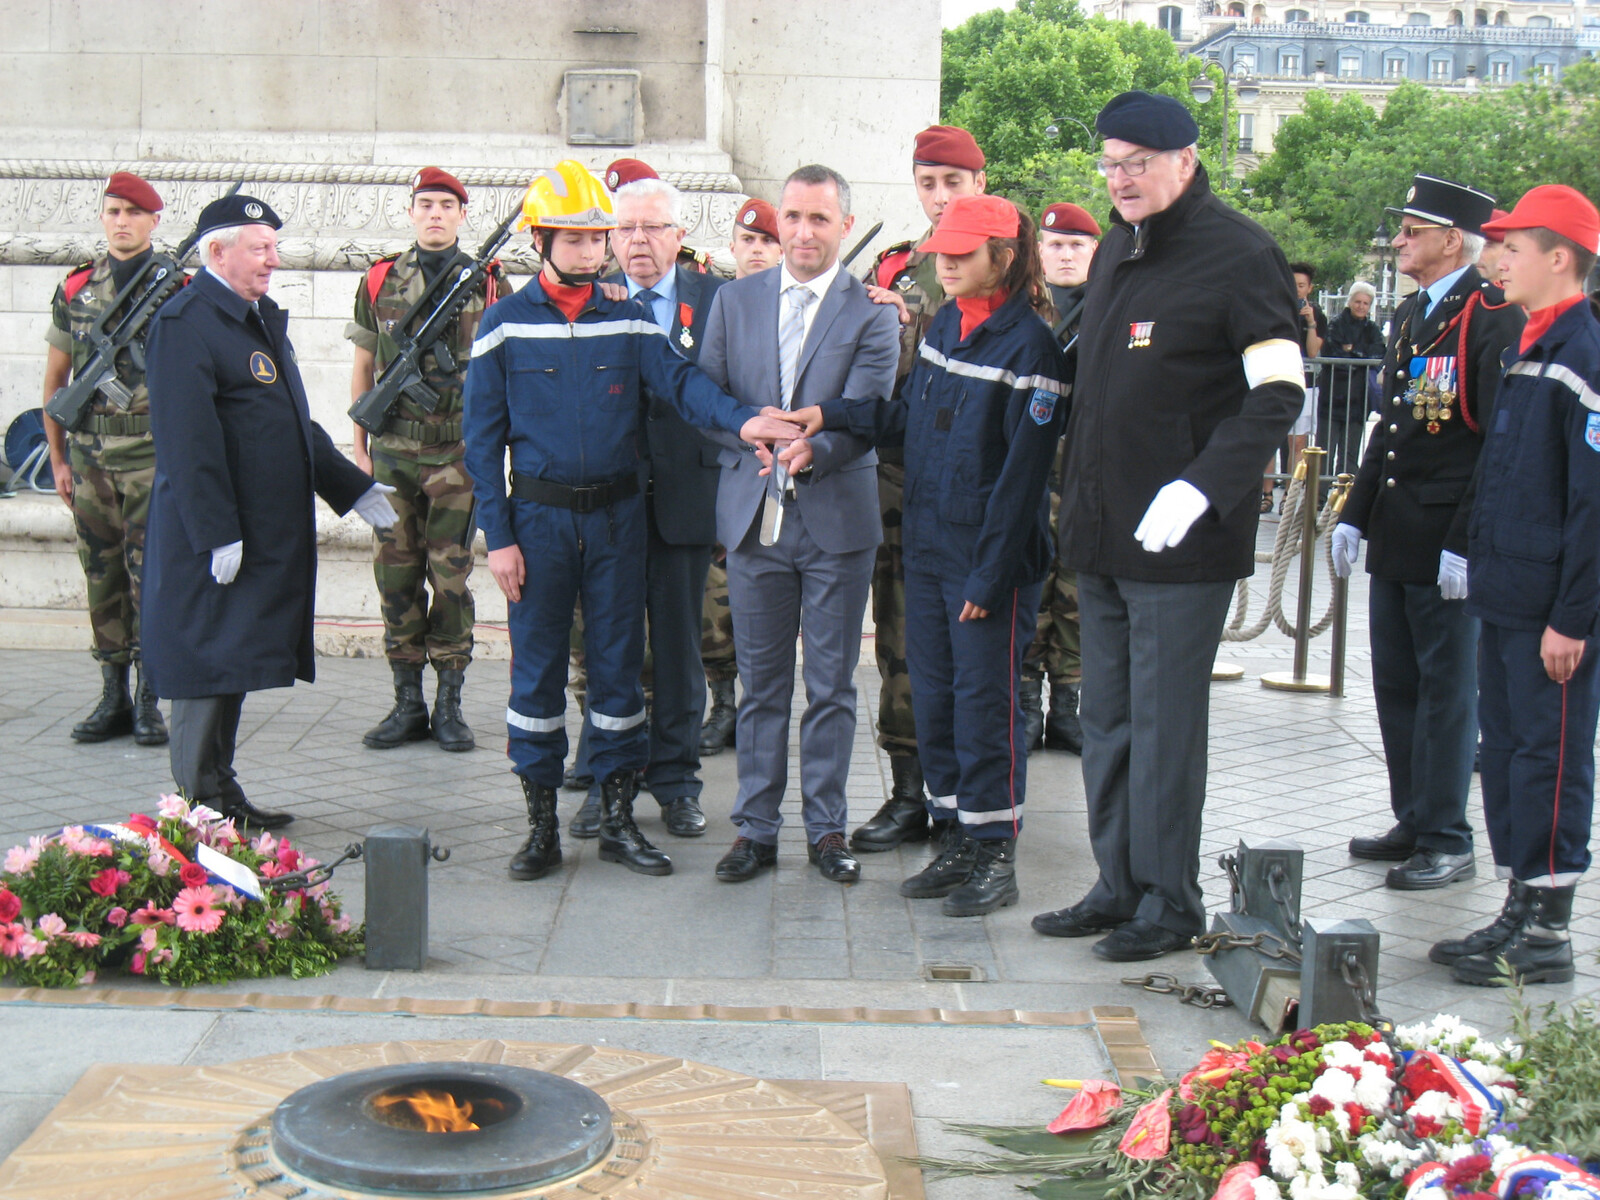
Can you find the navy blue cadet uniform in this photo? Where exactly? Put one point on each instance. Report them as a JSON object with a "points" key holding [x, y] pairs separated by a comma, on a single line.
{"points": [[566, 399], [1533, 560], [980, 418]]}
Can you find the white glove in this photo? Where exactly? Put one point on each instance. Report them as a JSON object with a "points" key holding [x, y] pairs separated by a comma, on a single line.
{"points": [[1452, 576], [374, 507], [1345, 544], [1166, 522], [225, 562]]}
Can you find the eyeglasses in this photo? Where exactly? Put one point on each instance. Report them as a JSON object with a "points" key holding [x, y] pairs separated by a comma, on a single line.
{"points": [[1410, 231], [650, 231], [1131, 167]]}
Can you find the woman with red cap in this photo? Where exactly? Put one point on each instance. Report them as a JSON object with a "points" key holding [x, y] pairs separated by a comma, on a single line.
{"points": [[979, 417]]}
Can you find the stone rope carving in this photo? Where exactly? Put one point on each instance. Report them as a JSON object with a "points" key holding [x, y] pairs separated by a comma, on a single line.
{"points": [[337, 217]]}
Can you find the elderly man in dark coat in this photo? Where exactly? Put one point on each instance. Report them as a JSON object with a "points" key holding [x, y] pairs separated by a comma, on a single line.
{"points": [[230, 559]]}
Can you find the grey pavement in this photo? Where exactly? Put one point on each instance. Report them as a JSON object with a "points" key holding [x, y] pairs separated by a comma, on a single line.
{"points": [[1282, 764]]}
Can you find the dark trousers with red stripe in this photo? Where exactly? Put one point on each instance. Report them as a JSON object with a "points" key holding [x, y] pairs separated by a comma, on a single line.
{"points": [[964, 695], [1538, 757]]}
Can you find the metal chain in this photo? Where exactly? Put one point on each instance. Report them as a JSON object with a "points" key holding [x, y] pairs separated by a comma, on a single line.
{"points": [[1200, 995], [1268, 944], [1230, 867], [317, 874], [1278, 889]]}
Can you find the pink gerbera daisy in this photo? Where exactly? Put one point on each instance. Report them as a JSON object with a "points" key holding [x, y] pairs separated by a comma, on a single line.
{"points": [[197, 910], [11, 940]]}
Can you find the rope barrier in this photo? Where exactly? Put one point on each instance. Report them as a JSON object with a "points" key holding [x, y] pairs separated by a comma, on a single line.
{"points": [[1285, 548]]}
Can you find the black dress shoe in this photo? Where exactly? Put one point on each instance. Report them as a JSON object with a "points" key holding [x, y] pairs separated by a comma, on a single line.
{"points": [[1139, 940], [833, 859], [1430, 869], [1078, 920], [241, 812], [585, 822], [683, 817], [571, 781], [1397, 845], [745, 860]]}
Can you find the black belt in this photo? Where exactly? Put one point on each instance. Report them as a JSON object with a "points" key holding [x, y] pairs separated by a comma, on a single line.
{"points": [[429, 434], [118, 425], [588, 498]]}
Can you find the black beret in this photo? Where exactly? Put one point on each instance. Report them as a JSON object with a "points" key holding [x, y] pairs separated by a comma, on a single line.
{"points": [[1145, 119], [237, 209]]}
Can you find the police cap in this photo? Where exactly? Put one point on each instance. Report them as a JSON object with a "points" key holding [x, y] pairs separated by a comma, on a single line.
{"points": [[1441, 202], [432, 179], [1149, 120], [125, 185], [237, 209]]}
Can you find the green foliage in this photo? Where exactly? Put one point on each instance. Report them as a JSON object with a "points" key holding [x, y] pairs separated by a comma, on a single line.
{"points": [[1564, 1047]]}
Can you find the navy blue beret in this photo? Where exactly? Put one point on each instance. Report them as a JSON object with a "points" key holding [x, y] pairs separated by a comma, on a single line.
{"points": [[1145, 119], [237, 209]]}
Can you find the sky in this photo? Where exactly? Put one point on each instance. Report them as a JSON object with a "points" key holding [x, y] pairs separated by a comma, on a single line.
{"points": [[957, 11]]}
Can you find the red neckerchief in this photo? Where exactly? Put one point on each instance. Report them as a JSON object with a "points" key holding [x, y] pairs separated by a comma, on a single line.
{"points": [[570, 300], [975, 310], [1541, 320]]}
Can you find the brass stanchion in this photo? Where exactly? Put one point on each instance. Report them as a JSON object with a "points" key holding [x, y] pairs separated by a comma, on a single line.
{"points": [[1310, 469], [1341, 599]]}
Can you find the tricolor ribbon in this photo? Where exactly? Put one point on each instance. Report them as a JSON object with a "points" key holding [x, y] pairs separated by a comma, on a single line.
{"points": [[1545, 1169], [1419, 1181], [1479, 1108]]}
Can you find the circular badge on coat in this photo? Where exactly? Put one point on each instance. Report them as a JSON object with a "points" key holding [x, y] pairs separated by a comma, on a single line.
{"points": [[262, 368]]}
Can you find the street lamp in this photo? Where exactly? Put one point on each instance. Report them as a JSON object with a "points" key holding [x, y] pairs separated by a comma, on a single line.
{"points": [[1202, 89], [1053, 130]]}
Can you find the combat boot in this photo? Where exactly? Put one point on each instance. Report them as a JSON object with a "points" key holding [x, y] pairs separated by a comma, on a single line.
{"points": [[903, 818], [113, 716], [148, 727], [1539, 952], [449, 726], [717, 731], [1061, 728], [620, 839], [541, 853], [958, 855], [408, 719], [1032, 703], [992, 884], [1513, 915]]}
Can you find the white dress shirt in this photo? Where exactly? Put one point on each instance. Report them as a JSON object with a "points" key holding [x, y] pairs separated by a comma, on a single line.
{"points": [[818, 286]]}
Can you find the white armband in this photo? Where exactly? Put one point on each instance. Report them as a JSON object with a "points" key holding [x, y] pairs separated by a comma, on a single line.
{"points": [[1276, 360]]}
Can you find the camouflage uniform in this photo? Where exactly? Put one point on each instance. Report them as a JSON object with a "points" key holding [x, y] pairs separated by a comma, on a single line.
{"points": [[1056, 649], [113, 468], [918, 285], [419, 455], [716, 624]]}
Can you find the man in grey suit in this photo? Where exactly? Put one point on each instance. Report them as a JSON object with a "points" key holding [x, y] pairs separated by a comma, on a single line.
{"points": [[800, 543]]}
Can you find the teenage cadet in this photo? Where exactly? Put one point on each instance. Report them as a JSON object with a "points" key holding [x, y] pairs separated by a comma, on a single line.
{"points": [[755, 248], [1411, 500], [556, 379], [104, 471], [419, 455], [1533, 578], [945, 162], [979, 418], [1068, 237]]}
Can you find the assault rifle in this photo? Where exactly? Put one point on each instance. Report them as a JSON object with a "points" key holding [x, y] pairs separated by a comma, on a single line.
{"points": [[445, 297], [122, 346]]}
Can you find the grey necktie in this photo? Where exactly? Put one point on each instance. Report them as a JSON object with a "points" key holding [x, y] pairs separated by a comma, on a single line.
{"points": [[791, 336]]}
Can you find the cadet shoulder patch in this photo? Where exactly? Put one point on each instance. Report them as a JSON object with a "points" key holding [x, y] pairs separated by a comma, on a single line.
{"points": [[262, 368], [1042, 406], [1591, 432]]}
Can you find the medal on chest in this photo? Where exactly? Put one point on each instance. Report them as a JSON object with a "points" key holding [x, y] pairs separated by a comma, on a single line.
{"points": [[686, 319], [1139, 334], [1432, 391]]}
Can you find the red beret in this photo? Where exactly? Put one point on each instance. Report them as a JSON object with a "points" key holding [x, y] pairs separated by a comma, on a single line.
{"points": [[1500, 214], [1069, 218], [947, 146], [1556, 207], [628, 170], [759, 216], [432, 179], [125, 185]]}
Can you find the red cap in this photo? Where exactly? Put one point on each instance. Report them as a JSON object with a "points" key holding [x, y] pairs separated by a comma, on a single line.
{"points": [[432, 179], [1500, 214], [759, 216], [628, 170], [970, 221], [1556, 207], [125, 185], [947, 146], [1069, 218]]}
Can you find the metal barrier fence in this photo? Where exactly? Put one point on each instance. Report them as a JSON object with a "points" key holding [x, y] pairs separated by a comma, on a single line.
{"points": [[1340, 393]]}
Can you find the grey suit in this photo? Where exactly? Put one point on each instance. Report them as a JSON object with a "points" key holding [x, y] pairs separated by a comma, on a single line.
{"points": [[816, 576]]}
